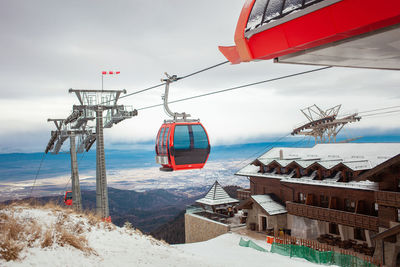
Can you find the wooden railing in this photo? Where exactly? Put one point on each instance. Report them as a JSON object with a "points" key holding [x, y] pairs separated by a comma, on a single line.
{"points": [[334, 216], [388, 198]]}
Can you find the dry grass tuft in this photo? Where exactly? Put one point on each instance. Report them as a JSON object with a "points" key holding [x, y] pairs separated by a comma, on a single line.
{"points": [[36, 232], [10, 249], [17, 233], [93, 220], [47, 239], [138, 232], [128, 225], [78, 228]]}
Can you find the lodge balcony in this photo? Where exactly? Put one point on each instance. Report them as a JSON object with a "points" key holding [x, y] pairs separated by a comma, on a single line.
{"points": [[243, 194], [388, 198], [333, 216]]}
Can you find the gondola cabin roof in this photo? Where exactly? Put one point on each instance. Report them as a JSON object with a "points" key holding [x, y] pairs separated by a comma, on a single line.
{"points": [[349, 33]]}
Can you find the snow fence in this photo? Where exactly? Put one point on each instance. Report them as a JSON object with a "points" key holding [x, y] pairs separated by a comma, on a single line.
{"points": [[320, 257], [251, 244]]}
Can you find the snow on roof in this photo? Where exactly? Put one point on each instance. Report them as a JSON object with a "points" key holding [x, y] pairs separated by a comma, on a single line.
{"points": [[269, 205], [375, 153], [365, 185], [216, 196], [356, 156]]}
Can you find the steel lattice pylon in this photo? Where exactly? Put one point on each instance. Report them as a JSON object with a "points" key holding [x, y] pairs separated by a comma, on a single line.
{"points": [[323, 125], [93, 104]]}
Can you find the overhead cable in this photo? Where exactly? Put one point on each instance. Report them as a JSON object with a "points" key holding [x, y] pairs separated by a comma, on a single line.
{"points": [[378, 109], [379, 113], [37, 173], [238, 87], [180, 78]]}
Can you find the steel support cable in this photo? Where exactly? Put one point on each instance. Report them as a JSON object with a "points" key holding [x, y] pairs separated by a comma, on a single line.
{"points": [[238, 87], [37, 173], [378, 109], [180, 78], [264, 149], [379, 113]]}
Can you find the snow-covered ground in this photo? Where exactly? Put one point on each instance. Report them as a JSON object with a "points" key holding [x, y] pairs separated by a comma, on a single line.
{"points": [[107, 245]]}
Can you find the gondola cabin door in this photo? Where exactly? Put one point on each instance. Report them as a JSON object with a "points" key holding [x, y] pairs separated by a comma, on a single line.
{"points": [[182, 146]]}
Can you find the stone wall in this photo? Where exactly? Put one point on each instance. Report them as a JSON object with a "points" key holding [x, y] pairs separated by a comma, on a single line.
{"points": [[199, 229]]}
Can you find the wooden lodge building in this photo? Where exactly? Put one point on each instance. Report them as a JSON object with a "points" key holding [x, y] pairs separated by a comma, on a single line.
{"points": [[350, 191]]}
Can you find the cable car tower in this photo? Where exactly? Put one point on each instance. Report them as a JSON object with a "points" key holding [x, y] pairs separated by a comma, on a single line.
{"points": [[324, 126], [64, 130], [93, 104]]}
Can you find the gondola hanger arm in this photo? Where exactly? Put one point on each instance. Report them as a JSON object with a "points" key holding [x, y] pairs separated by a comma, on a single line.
{"points": [[175, 115]]}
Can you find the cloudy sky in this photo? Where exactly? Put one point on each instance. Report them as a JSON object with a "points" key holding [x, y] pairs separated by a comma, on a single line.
{"points": [[47, 47]]}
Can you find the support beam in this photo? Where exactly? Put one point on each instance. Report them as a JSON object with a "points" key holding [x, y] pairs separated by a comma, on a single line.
{"points": [[76, 189], [101, 178]]}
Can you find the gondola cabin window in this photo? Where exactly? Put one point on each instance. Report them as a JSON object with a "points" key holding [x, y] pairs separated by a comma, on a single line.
{"points": [[264, 11], [256, 14], [200, 137], [181, 137], [273, 10], [291, 5]]}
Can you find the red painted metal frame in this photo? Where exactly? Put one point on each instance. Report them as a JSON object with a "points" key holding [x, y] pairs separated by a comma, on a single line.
{"points": [[171, 159], [344, 19], [67, 202]]}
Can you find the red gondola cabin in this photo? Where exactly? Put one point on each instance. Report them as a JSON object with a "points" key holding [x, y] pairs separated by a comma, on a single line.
{"points": [[182, 146], [68, 198]]}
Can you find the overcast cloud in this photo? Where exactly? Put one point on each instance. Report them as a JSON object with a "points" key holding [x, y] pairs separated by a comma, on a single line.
{"points": [[47, 47]]}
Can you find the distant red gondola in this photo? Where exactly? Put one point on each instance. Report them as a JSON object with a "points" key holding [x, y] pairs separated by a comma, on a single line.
{"points": [[181, 143], [68, 198]]}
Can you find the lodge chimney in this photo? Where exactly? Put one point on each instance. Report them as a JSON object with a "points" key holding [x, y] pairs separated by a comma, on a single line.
{"points": [[281, 154]]}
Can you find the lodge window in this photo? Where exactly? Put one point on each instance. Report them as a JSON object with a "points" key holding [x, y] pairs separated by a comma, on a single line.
{"points": [[303, 171], [302, 198], [349, 205], [398, 215], [375, 208], [359, 234], [333, 229], [282, 170], [324, 201]]}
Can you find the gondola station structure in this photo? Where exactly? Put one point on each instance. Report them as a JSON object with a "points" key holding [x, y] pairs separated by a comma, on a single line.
{"points": [[346, 33]]}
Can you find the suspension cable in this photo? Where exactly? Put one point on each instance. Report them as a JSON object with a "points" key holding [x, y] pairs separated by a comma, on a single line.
{"points": [[379, 113], [378, 109], [37, 173], [264, 149], [238, 87], [180, 78]]}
